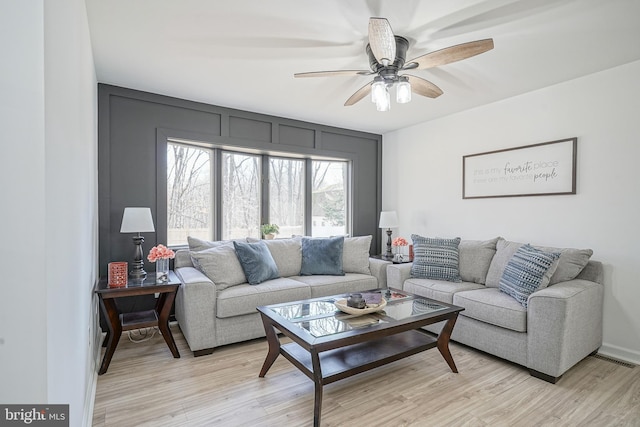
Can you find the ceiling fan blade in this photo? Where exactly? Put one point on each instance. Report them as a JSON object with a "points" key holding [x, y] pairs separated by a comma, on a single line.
{"points": [[360, 93], [334, 73], [423, 87], [382, 41], [452, 54]]}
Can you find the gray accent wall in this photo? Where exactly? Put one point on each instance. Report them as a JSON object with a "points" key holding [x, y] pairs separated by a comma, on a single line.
{"points": [[133, 129]]}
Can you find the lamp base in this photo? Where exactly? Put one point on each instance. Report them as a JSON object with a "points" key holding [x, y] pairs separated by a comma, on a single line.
{"points": [[388, 254], [137, 271]]}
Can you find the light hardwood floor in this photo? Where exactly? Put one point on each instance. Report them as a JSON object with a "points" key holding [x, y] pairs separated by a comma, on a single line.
{"points": [[146, 386]]}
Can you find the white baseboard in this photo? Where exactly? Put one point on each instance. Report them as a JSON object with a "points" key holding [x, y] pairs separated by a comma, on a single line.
{"points": [[620, 353]]}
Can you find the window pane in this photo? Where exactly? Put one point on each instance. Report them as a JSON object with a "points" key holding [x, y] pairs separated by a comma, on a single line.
{"points": [[189, 201], [240, 196], [286, 195], [329, 212]]}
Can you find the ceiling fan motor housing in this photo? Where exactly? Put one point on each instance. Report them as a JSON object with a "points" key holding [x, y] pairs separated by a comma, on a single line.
{"points": [[389, 72]]}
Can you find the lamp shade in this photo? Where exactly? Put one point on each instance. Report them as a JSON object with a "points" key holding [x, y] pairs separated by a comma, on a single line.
{"points": [[388, 219], [137, 220]]}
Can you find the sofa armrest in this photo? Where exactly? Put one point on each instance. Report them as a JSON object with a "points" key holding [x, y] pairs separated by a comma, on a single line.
{"points": [[196, 308], [378, 269], [564, 325], [397, 274]]}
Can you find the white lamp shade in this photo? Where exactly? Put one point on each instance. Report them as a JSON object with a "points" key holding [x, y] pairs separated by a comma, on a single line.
{"points": [[388, 219], [137, 220]]}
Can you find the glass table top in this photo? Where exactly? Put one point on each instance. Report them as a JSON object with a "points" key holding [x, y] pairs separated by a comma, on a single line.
{"points": [[321, 317]]}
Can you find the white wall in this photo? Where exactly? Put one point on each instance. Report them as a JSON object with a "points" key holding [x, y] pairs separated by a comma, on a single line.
{"points": [[23, 311], [71, 218], [49, 210], [422, 176]]}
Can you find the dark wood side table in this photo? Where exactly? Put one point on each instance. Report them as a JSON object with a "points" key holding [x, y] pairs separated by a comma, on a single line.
{"points": [[384, 258], [118, 322]]}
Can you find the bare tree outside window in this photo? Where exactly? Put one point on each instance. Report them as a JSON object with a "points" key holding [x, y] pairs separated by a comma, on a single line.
{"points": [[240, 195], [189, 195], [329, 186], [286, 195]]}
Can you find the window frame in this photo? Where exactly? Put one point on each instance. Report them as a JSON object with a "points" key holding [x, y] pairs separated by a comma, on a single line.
{"points": [[265, 155]]}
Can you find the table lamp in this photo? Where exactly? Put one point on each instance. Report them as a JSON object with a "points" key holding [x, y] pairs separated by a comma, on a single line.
{"points": [[137, 220], [388, 220]]}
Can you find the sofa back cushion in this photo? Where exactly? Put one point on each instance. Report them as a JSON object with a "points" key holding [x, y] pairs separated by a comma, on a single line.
{"points": [[570, 263], [475, 259], [220, 264], [287, 254], [355, 254], [435, 258]]}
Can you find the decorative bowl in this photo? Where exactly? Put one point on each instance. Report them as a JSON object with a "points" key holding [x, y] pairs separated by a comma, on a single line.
{"points": [[341, 304]]}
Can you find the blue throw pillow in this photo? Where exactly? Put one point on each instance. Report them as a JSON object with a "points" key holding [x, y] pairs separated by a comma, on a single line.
{"points": [[436, 259], [526, 271], [256, 261], [322, 256]]}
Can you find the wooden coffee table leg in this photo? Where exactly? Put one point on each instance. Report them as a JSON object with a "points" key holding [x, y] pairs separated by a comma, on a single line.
{"points": [[274, 346], [443, 342], [317, 379]]}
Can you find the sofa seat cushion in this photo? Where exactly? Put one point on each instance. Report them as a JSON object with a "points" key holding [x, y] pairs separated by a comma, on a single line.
{"points": [[440, 290], [491, 306], [243, 299], [322, 286]]}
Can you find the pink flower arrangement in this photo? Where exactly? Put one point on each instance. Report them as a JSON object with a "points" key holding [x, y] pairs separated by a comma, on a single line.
{"points": [[400, 241], [160, 252]]}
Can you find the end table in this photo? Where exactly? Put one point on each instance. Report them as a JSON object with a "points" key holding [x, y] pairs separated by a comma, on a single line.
{"points": [[118, 322]]}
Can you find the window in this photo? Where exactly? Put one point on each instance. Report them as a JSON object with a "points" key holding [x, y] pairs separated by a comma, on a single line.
{"points": [[286, 195], [242, 191], [189, 193], [329, 190], [241, 181]]}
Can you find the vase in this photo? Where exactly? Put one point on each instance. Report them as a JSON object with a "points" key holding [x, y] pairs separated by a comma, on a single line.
{"points": [[162, 270]]}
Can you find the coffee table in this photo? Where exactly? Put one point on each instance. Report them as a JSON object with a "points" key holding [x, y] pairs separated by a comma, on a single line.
{"points": [[329, 345]]}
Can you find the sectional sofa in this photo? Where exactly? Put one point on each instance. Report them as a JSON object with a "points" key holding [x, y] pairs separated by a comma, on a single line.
{"points": [[215, 304], [548, 331]]}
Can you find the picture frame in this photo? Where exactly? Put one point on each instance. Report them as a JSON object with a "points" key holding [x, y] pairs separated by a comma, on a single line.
{"points": [[544, 169]]}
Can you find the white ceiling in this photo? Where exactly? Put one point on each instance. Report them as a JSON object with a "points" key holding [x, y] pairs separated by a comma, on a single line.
{"points": [[243, 53]]}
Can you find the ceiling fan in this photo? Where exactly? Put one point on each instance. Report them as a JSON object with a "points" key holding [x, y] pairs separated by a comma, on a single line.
{"points": [[387, 53]]}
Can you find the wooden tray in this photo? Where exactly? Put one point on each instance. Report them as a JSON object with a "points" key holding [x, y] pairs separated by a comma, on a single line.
{"points": [[341, 304]]}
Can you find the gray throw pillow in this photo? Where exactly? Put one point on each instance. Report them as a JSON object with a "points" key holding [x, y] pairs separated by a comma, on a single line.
{"points": [[220, 264], [435, 258], [504, 251], [355, 257], [197, 245], [475, 259], [256, 261], [287, 253], [528, 270], [322, 256]]}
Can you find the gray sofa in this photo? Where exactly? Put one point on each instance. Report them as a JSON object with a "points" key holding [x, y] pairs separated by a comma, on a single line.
{"points": [[215, 306], [561, 324]]}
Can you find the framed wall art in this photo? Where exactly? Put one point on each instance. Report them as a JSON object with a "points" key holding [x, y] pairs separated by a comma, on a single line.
{"points": [[542, 169]]}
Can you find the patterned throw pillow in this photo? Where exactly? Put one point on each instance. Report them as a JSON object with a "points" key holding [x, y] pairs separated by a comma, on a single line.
{"points": [[526, 271], [435, 258]]}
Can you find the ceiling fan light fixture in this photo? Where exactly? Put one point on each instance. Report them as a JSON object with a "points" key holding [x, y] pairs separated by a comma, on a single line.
{"points": [[383, 102], [403, 91], [378, 89]]}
